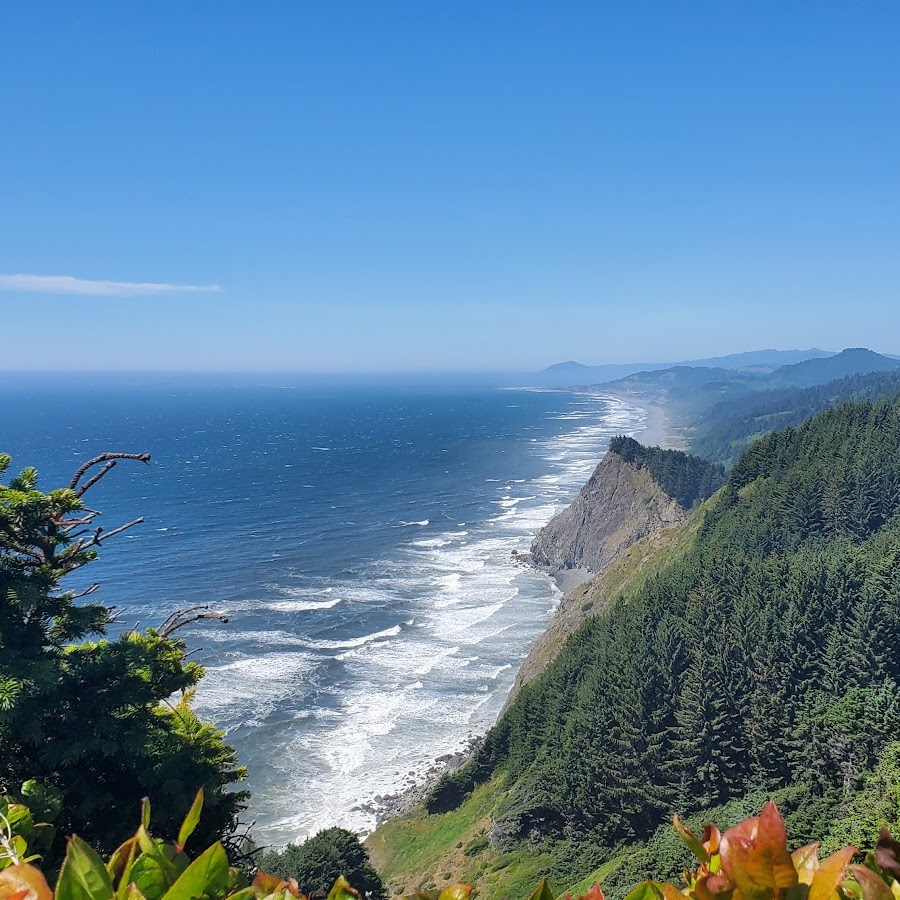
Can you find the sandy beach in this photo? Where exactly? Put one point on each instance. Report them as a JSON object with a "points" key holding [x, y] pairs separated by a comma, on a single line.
{"points": [[658, 430]]}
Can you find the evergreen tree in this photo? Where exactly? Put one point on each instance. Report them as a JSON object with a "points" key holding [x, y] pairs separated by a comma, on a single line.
{"points": [[83, 714], [319, 861]]}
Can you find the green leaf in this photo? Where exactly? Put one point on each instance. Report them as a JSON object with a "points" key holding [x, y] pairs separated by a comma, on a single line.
{"points": [[692, 842], [148, 877], [150, 848], [646, 890], [456, 892], [145, 813], [247, 893], [83, 875], [542, 892], [191, 819], [341, 890], [206, 876]]}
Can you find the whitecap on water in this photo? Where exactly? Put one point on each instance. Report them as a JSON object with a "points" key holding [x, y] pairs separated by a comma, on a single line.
{"points": [[410, 694]]}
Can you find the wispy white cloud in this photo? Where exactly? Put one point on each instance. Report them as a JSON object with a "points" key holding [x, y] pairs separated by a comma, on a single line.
{"points": [[67, 284]]}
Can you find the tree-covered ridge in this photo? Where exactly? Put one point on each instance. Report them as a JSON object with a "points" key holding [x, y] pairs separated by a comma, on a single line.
{"points": [[764, 660], [688, 479], [724, 432]]}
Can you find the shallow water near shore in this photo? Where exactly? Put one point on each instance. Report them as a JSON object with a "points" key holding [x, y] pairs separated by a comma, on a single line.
{"points": [[360, 542]]}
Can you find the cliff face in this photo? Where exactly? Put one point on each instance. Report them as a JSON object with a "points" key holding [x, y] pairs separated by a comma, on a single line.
{"points": [[615, 529], [618, 506]]}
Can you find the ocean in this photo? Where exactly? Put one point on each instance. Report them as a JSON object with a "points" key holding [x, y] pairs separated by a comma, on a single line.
{"points": [[359, 537]]}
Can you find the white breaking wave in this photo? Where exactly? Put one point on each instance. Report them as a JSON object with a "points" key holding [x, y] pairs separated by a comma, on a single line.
{"points": [[409, 694]]}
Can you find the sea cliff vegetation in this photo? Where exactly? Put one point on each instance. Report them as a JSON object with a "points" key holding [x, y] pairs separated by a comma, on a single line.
{"points": [[751, 656], [761, 663]]}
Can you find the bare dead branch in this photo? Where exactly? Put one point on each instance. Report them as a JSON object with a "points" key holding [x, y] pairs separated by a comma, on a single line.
{"points": [[95, 478], [86, 592], [182, 617], [100, 535], [182, 612], [103, 458]]}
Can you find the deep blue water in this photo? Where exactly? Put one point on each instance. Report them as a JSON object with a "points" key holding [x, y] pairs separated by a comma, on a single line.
{"points": [[358, 536]]}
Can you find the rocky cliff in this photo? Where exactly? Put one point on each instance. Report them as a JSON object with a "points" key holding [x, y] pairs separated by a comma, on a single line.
{"points": [[618, 527], [620, 504]]}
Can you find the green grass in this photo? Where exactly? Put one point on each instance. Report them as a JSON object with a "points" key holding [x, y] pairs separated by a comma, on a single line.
{"points": [[421, 851], [598, 876]]}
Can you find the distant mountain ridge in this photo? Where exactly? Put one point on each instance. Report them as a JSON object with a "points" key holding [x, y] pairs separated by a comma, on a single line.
{"points": [[690, 390], [572, 372]]}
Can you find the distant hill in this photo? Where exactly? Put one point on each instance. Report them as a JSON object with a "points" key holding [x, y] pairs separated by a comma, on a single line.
{"points": [[574, 373], [724, 431], [770, 359], [691, 390], [853, 361]]}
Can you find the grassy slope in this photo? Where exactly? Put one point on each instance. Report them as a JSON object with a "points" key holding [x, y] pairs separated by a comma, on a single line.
{"points": [[421, 851]]}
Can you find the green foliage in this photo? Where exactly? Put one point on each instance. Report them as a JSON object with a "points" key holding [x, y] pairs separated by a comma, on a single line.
{"points": [[319, 861], [89, 717], [142, 868], [723, 432], [761, 660], [689, 479]]}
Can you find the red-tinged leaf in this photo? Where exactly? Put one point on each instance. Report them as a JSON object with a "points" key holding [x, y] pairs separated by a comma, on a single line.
{"points": [[456, 892], [542, 892], [120, 863], [713, 887], [806, 862], [267, 883], [670, 892], [887, 853], [23, 882], [830, 874], [595, 893], [691, 841], [873, 887], [712, 837], [755, 857], [646, 890]]}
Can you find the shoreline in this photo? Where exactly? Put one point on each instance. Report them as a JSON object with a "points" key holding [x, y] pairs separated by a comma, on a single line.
{"points": [[656, 431]]}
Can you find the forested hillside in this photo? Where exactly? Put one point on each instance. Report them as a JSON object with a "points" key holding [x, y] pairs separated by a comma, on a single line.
{"points": [[763, 661], [723, 432]]}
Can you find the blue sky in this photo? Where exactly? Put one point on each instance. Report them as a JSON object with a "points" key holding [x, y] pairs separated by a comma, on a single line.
{"points": [[430, 186]]}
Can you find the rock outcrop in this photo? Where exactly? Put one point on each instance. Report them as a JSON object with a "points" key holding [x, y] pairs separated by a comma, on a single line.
{"points": [[619, 505], [614, 529]]}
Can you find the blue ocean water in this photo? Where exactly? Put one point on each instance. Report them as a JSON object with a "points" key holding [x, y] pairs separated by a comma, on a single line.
{"points": [[358, 536]]}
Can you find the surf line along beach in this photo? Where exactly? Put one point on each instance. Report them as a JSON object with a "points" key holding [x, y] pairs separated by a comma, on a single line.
{"points": [[653, 428]]}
